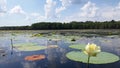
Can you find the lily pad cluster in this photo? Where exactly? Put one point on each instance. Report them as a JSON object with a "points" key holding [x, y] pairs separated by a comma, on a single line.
{"points": [[101, 58]]}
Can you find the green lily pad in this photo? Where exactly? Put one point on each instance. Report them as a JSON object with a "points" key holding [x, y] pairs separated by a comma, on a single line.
{"points": [[37, 35], [70, 38], [29, 47], [101, 58], [78, 46], [55, 37]]}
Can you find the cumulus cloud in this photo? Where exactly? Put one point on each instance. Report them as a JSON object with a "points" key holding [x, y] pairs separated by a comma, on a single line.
{"points": [[35, 16], [118, 6], [58, 10], [89, 10], [107, 13], [17, 10], [67, 3], [111, 13], [49, 8], [3, 8]]}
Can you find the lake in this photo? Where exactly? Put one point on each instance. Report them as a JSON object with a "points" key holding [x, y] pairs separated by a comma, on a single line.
{"points": [[108, 40]]}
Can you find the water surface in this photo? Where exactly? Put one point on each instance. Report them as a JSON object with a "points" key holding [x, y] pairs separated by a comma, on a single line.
{"points": [[109, 40]]}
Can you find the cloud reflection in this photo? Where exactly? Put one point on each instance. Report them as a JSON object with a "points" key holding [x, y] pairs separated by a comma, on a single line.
{"points": [[28, 64]]}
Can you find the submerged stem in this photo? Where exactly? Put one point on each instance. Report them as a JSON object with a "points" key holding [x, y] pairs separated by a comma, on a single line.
{"points": [[88, 61], [11, 46]]}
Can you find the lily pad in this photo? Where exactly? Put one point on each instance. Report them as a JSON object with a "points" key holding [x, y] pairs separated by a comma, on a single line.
{"points": [[55, 37], [101, 58], [29, 47], [37, 35], [71, 38], [78, 46], [52, 46], [35, 57]]}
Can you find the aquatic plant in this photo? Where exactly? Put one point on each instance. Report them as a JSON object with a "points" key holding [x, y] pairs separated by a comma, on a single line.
{"points": [[37, 35], [101, 58], [11, 46], [29, 47], [52, 46], [91, 50], [34, 57], [78, 46], [12, 38], [73, 39], [91, 53], [32, 47]]}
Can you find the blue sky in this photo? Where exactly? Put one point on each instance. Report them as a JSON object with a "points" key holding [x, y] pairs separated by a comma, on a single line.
{"points": [[26, 12]]}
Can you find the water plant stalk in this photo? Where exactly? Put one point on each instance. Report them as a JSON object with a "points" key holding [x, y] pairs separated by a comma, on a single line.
{"points": [[88, 61], [11, 46]]}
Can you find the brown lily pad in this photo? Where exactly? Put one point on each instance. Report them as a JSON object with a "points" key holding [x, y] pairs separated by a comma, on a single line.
{"points": [[35, 57]]}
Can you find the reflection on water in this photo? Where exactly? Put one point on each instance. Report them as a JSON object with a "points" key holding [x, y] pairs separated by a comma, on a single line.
{"points": [[55, 57]]}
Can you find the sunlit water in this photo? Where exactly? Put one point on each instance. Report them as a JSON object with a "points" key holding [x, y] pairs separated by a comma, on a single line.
{"points": [[55, 57]]}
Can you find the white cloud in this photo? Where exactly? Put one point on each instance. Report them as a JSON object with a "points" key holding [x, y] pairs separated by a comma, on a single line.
{"points": [[67, 3], [2, 14], [107, 13], [118, 6], [111, 13], [49, 8], [35, 14], [58, 10], [17, 10], [35, 17], [89, 10], [3, 8]]}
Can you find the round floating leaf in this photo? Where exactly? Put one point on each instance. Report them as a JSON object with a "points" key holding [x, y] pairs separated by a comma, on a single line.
{"points": [[37, 35], [55, 37], [78, 46], [52, 46], [34, 57], [71, 38], [101, 58], [29, 47]]}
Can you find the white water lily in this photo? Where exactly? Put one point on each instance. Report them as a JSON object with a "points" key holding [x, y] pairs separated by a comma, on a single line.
{"points": [[92, 49]]}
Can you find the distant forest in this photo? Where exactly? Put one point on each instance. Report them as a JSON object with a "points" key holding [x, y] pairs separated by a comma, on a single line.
{"points": [[71, 25]]}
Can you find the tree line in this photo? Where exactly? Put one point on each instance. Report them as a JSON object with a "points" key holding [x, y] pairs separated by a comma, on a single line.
{"points": [[71, 25]]}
